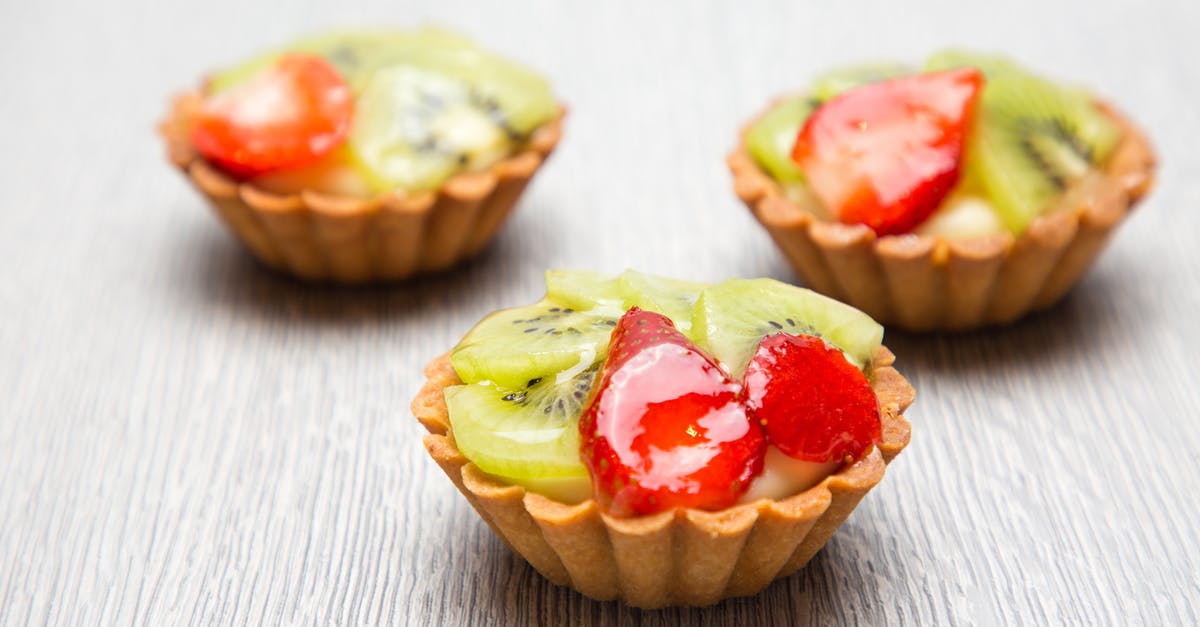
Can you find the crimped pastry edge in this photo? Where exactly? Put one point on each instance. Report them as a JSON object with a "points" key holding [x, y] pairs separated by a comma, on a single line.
{"points": [[345, 239], [681, 557], [931, 283]]}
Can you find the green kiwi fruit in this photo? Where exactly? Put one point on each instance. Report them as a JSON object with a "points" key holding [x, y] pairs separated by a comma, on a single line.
{"points": [[1031, 139], [730, 318], [672, 298], [527, 435], [551, 338], [828, 86], [415, 128], [771, 138], [582, 289], [992, 66]]}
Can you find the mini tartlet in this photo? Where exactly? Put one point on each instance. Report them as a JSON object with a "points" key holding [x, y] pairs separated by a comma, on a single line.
{"points": [[682, 556], [926, 282], [365, 230]]}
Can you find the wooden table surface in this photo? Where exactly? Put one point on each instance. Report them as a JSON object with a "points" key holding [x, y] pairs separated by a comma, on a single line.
{"points": [[186, 438]]}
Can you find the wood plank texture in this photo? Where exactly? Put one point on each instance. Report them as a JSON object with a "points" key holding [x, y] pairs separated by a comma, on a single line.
{"points": [[188, 439]]}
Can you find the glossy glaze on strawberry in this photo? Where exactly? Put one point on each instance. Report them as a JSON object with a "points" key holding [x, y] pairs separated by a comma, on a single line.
{"points": [[814, 405], [887, 153], [289, 115], [665, 426]]}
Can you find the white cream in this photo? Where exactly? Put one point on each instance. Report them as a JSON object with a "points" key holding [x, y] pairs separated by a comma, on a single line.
{"points": [[962, 215], [784, 476]]}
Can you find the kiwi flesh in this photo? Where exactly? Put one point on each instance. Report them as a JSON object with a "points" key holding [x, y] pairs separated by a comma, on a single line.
{"points": [[527, 435], [672, 298], [1031, 141], [828, 86], [512, 347], [771, 138], [582, 289], [992, 66], [415, 128], [730, 319]]}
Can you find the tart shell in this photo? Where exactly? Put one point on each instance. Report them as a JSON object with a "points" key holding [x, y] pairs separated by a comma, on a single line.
{"points": [[679, 557], [929, 283], [344, 239]]}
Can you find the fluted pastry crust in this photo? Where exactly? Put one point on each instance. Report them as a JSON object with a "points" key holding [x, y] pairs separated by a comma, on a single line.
{"points": [[344, 239], [680, 557], [926, 283]]}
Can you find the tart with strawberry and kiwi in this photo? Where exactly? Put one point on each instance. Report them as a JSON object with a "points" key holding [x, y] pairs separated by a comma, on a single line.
{"points": [[961, 194], [666, 442], [373, 156]]}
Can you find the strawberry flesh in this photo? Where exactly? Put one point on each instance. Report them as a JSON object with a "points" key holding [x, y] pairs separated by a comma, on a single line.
{"points": [[887, 153], [289, 115], [815, 405], [665, 426]]}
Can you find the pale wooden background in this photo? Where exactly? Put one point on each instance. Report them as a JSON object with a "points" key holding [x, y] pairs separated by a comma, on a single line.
{"points": [[185, 438]]}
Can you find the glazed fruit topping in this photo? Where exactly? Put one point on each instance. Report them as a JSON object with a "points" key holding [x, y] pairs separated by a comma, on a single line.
{"points": [[288, 115], [665, 426], [886, 153], [815, 405]]}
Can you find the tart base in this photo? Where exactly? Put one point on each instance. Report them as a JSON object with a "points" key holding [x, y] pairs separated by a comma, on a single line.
{"points": [[928, 283], [343, 239], [681, 557]]}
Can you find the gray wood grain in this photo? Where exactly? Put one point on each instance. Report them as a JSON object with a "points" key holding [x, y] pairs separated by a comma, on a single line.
{"points": [[185, 438]]}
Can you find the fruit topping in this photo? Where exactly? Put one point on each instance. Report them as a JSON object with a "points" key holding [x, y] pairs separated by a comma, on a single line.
{"points": [[287, 115], [674, 298], [512, 347], [885, 154], [582, 289], [528, 435], [1031, 141], [828, 86], [771, 138], [730, 318], [814, 405], [665, 426], [416, 128]]}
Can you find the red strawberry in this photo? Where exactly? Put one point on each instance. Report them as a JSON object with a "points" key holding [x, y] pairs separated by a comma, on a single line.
{"points": [[289, 115], [815, 405], [665, 426], [885, 154]]}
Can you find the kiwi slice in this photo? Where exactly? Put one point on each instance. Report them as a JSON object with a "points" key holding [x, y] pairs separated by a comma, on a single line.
{"points": [[672, 298], [771, 138], [415, 128], [992, 66], [730, 318], [828, 86], [582, 289], [1032, 139], [527, 435], [513, 347]]}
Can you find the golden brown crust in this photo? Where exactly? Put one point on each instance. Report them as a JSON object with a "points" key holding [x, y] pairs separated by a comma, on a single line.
{"points": [[925, 283], [681, 557], [344, 239]]}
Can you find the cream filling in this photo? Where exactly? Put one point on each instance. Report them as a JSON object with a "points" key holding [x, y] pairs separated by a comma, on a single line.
{"points": [[784, 476]]}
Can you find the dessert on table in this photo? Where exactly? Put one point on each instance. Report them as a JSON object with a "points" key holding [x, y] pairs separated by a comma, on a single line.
{"points": [[964, 193], [365, 156], [666, 442]]}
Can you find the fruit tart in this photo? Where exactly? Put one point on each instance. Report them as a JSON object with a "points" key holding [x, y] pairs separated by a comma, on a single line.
{"points": [[665, 442], [358, 157], [964, 194]]}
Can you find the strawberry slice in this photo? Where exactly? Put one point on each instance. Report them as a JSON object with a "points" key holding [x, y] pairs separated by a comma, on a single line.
{"points": [[885, 154], [815, 405], [290, 114], [665, 426]]}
